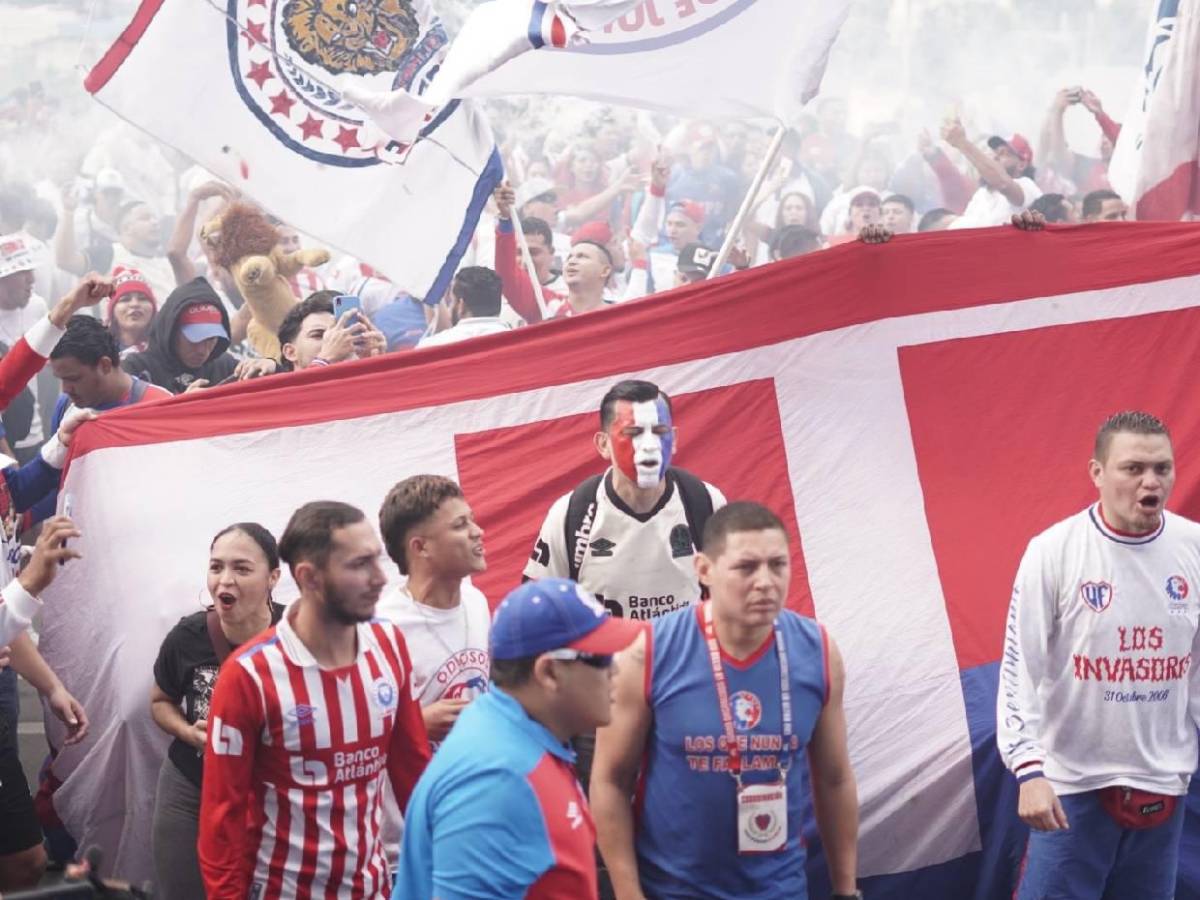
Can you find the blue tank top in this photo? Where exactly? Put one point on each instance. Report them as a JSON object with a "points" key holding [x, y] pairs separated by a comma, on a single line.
{"points": [[687, 810]]}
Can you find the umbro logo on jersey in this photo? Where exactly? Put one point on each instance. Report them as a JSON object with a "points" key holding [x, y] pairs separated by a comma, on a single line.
{"points": [[303, 714], [602, 547]]}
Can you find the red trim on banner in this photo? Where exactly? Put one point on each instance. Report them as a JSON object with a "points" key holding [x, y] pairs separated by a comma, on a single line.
{"points": [[1174, 196], [844, 286], [122, 46]]}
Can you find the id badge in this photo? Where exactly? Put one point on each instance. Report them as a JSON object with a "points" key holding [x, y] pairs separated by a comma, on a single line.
{"points": [[762, 817]]}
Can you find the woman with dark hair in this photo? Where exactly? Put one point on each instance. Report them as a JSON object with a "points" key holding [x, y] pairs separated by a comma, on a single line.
{"points": [[131, 309], [243, 568]]}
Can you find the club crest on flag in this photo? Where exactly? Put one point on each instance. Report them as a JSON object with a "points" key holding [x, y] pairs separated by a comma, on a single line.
{"points": [[1096, 594], [285, 56]]}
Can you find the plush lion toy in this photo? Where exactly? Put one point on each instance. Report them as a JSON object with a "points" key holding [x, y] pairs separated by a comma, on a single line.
{"points": [[243, 240]]}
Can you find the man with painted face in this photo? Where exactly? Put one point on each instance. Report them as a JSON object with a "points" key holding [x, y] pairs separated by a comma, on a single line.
{"points": [[1099, 697], [639, 522], [629, 536]]}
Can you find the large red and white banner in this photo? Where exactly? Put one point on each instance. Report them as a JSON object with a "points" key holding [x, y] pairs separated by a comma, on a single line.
{"points": [[915, 411], [1156, 162]]}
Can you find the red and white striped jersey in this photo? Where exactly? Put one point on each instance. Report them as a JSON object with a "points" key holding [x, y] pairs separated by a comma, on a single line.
{"points": [[294, 768]]}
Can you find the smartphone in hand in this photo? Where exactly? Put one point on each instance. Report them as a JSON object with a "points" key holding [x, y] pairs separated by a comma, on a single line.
{"points": [[343, 303]]}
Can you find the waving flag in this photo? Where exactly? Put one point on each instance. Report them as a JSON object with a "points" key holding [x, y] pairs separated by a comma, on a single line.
{"points": [[913, 435], [245, 88], [1156, 163], [737, 58], [711, 58]]}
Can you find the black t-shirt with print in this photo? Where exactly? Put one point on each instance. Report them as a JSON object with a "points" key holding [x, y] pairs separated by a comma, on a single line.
{"points": [[186, 671]]}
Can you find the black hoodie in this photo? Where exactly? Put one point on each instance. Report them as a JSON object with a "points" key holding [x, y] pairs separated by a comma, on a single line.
{"points": [[158, 363]]}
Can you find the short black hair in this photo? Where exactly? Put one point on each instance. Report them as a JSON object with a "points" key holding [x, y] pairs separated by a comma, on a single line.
{"points": [[1052, 206], [480, 289], [933, 218], [511, 673], [733, 518], [258, 534], [309, 532], [88, 341], [607, 253], [1094, 202], [318, 302], [903, 199], [534, 225], [793, 240], [1126, 422], [632, 390]]}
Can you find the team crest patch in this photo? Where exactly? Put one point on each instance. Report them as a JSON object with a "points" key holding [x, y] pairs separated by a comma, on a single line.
{"points": [[1177, 587], [1178, 592], [681, 541], [284, 57], [747, 710], [385, 694], [1096, 594]]}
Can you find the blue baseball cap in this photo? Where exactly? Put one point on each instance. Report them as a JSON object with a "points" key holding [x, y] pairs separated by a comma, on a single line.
{"points": [[553, 613]]}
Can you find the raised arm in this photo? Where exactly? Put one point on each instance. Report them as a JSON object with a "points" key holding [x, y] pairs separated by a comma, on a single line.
{"points": [[989, 170], [1054, 149], [185, 229], [619, 749]]}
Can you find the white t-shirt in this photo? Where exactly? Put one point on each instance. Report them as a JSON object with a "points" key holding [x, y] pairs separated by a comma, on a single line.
{"points": [[448, 647], [13, 325], [475, 326], [638, 566], [1098, 682], [990, 207]]}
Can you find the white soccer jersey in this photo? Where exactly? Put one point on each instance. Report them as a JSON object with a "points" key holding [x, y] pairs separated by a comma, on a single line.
{"points": [[638, 565], [1097, 683]]}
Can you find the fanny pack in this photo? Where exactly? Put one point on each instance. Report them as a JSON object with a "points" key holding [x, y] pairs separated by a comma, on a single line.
{"points": [[1131, 808]]}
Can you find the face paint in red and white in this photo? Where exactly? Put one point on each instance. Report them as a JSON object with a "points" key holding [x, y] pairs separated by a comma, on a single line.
{"points": [[642, 440]]}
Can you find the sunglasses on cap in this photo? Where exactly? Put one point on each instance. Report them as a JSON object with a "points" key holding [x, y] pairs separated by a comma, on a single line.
{"points": [[588, 659]]}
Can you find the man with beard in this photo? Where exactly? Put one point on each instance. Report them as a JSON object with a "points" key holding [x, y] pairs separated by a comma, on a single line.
{"points": [[475, 301], [1006, 177], [306, 724]]}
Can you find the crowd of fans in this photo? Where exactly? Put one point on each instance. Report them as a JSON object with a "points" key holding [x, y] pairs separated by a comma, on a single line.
{"points": [[632, 208]]}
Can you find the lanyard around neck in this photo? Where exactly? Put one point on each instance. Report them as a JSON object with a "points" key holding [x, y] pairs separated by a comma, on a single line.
{"points": [[726, 709]]}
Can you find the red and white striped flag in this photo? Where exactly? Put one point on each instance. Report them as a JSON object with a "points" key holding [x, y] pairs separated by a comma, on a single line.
{"points": [[1156, 162]]}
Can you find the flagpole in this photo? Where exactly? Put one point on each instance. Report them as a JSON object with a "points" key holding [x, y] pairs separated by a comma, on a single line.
{"points": [[528, 260], [739, 220]]}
